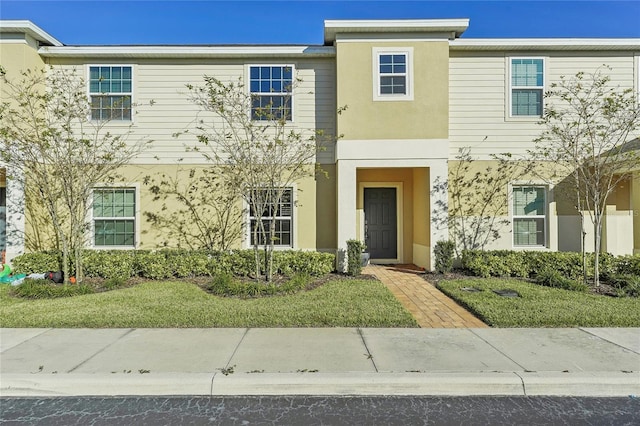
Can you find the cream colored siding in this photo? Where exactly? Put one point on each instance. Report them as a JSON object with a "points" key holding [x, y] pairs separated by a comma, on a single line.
{"points": [[480, 103], [163, 84]]}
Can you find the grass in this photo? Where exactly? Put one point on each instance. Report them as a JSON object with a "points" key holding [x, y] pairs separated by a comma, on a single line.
{"points": [[339, 303], [540, 306]]}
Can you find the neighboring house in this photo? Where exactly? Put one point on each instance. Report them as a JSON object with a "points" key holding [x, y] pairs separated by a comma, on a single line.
{"points": [[415, 93]]}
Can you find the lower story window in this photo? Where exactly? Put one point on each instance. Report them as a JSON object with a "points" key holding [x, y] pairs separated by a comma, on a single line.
{"points": [[114, 211], [282, 212], [529, 216]]}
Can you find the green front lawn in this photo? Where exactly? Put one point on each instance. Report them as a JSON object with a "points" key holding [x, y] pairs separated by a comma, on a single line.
{"points": [[540, 306], [339, 303]]}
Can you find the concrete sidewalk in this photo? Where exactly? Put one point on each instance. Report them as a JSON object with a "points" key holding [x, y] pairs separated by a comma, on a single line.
{"points": [[320, 361]]}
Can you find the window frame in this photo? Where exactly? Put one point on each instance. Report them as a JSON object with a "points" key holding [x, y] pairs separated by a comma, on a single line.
{"points": [[511, 87], [130, 94], [135, 218], [250, 218], [284, 94], [377, 52], [544, 216]]}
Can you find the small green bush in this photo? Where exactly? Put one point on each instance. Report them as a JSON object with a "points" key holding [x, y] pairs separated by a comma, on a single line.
{"points": [[443, 253], [114, 283], [628, 285], [552, 278], [354, 261], [45, 289], [628, 265], [226, 285]]}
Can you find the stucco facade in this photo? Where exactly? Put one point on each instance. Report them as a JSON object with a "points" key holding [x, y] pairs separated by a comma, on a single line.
{"points": [[400, 97]]}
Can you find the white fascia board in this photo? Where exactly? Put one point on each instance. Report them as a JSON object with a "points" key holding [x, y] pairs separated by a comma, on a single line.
{"points": [[546, 44], [28, 27], [333, 27], [187, 51]]}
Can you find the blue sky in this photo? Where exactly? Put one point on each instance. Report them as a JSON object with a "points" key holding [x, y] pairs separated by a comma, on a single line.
{"points": [[301, 22]]}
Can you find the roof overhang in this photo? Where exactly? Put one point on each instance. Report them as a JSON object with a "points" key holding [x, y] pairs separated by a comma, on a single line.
{"points": [[31, 29], [574, 44], [452, 28], [184, 52]]}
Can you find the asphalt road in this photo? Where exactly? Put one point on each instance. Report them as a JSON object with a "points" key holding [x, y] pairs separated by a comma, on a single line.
{"points": [[317, 410]]}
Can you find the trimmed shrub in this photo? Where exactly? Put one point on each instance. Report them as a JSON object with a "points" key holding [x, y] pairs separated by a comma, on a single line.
{"points": [[167, 263], [628, 265], [354, 263], [443, 252], [152, 265], [108, 264], [39, 262], [292, 263]]}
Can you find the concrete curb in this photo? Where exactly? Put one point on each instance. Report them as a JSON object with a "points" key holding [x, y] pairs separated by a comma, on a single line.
{"points": [[600, 384]]}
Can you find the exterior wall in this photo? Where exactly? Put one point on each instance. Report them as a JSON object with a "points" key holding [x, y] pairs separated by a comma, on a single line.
{"points": [[326, 225], [424, 117], [635, 209], [421, 218], [479, 96], [17, 53], [163, 84], [480, 119], [149, 237]]}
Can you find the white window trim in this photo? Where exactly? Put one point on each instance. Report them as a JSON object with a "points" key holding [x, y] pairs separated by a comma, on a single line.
{"points": [[293, 84], [294, 234], [509, 106], [376, 52], [91, 239], [133, 80], [546, 216]]}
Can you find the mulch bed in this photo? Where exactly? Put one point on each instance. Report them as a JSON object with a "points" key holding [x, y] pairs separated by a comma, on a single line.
{"points": [[434, 278], [99, 284]]}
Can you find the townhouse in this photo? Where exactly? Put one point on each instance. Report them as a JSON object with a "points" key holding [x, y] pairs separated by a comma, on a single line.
{"points": [[415, 92]]}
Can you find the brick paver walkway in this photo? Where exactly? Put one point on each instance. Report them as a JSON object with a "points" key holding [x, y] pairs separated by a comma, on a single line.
{"points": [[429, 306]]}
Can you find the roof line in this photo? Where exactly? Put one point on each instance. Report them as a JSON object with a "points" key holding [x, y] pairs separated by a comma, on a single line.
{"points": [[29, 28]]}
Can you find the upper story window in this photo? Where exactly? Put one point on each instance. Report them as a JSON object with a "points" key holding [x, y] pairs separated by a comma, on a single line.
{"points": [[527, 86], [110, 89], [392, 74], [271, 88], [114, 217], [529, 216]]}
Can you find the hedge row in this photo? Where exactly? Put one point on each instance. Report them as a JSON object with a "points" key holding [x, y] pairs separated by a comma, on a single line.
{"points": [[163, 264], [526, 264]]}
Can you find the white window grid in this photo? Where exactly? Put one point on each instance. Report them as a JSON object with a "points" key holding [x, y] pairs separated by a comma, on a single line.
{"points": [[279, 217], [286, 92], [133, 218], [407, 52], [111, 94], [542, 216], [514, 87]]}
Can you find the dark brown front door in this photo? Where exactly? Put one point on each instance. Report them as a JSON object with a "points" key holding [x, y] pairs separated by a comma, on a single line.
{"points": [[381, 222]]}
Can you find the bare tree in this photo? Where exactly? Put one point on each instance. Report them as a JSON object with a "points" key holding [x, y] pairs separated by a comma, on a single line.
{"points": [[59, 152], [474, 209], [260, 150], [199, 208], [589, 124]]}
